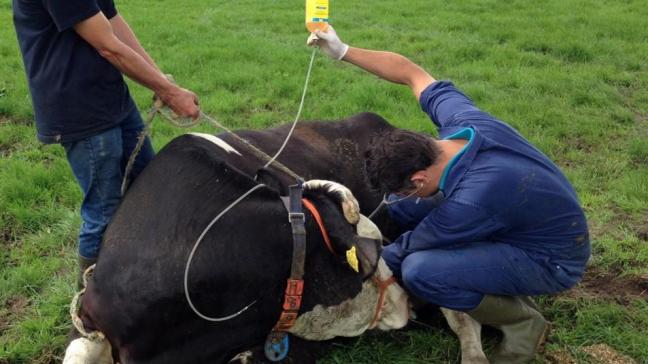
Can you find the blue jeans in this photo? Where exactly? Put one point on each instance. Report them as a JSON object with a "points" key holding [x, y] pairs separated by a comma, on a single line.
{"points": [[458, 278], [98, 163]]}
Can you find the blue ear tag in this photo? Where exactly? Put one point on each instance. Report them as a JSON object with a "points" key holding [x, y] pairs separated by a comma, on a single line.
{"points": [[276, 346]]}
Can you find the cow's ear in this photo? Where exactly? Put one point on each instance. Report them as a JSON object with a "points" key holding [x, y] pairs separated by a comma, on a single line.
{"points": [[368, 254], [271, 180]]}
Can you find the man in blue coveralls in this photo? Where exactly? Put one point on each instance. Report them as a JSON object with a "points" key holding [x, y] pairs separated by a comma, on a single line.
{"points": [[75, 52], [504, 223]]}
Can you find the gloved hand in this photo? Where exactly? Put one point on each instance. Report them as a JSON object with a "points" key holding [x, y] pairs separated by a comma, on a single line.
{"points": [[329, 42]]}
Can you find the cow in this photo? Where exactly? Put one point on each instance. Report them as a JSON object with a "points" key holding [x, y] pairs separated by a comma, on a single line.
{"points": [[135, 296], [328, 150]]}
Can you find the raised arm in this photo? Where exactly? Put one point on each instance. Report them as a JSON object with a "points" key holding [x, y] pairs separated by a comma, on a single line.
{"points": [[98, 31], [390, 66]]}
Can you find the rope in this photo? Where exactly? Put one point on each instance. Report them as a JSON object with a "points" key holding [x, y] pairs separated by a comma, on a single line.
{"points": [[193, 251], [185, 122], [258, 152], [384, 201], [380, 205], [158, 107], [301, 106], [157, 104], [95, 336]]}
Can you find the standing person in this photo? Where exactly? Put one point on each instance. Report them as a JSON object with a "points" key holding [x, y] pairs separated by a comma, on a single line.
{"points": [[75, 52], [508, 225]]}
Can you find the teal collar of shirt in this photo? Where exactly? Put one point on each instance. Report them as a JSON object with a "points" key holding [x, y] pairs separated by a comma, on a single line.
{"points": [[460, 163]]}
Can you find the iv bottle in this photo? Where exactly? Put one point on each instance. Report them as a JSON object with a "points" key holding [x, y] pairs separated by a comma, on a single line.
{"points": [[317, 13]]}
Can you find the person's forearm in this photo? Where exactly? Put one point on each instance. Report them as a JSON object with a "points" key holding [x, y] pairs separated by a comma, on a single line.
{"points": [[390, 66], [387, 65], [99, 33], [124, 33], [133, 65]]}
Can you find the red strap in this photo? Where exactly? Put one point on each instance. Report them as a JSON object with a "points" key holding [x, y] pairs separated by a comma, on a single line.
{"points": [[291, 305], [382, 287], [309, 205]]}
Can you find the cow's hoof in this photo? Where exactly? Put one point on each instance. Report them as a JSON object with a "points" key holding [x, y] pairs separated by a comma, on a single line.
{"points": [[245, 357], [475, 360]]}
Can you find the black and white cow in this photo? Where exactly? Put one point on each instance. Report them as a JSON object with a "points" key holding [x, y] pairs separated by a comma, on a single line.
{"points": [[136, 298]]}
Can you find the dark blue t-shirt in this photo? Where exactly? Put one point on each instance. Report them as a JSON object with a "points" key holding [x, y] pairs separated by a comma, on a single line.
{"points": [[76, 92]]}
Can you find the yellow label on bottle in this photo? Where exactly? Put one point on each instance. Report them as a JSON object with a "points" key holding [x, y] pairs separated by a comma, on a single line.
{"points": [[317, 11]]}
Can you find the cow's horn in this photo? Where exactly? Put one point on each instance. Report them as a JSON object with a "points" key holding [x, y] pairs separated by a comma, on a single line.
{"points": [[350, 205]]}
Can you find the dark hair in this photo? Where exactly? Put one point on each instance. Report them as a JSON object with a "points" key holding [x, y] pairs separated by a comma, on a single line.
{"points": [[394, 156]]}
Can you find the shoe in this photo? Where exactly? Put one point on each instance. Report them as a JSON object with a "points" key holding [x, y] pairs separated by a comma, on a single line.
{"points": [[524, 328]]}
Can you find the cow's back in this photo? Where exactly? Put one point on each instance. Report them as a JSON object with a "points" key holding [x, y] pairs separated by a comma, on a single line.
{"points": [[330, 150]]}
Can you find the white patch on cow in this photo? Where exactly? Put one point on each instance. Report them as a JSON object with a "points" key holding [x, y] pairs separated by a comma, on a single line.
{"points": [[84, 351], [350, 205], [396, 308], [469, 332], [218, 141], [353, 316], [243, 358], [366, 228]]}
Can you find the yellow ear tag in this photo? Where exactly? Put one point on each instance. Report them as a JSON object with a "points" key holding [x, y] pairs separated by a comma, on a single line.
{"points": [[352, 259]]}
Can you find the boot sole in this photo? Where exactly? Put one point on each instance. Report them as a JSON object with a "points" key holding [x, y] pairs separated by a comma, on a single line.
{"points": [[543, 338]]}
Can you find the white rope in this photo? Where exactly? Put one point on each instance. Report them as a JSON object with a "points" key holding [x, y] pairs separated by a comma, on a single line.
{"points": [[384, 201], [188, 123], [380, 205], [272, 160], [193, 251], [252, 148], [183, 122], [299, 111]]}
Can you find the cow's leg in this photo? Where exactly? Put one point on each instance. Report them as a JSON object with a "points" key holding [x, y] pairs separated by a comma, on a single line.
{"points": [[469, 332], [84, 351]]}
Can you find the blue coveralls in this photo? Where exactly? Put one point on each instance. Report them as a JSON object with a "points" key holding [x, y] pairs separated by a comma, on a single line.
{"points": [[509, 222]]}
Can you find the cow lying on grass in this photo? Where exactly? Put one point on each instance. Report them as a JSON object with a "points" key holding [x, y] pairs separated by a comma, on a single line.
{"points": [[136, 295]]}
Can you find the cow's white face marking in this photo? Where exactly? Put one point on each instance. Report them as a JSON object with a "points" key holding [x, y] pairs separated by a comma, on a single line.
{"points": [[218, 141], [353, 316], [350, 205], [84, 351]]}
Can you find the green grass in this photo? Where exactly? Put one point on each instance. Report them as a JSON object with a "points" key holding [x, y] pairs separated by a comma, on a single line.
{"points": [[570, 75]]}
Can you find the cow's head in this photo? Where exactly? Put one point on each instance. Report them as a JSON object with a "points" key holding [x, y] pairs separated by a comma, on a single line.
{"points": [[354, 238], [338, 300], [350, 231]]}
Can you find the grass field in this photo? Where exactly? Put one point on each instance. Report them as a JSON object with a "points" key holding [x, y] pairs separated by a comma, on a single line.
{"points": [[570, 75]]}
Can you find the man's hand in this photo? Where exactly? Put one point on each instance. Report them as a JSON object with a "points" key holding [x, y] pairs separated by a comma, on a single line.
{"points": [[329, 42], [183, 102], [98, 32]]}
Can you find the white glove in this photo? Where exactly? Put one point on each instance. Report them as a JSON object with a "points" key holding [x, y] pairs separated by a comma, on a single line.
{"points": [[329, 42]]}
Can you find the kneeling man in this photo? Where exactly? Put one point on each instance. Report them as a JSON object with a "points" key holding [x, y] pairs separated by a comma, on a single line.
{"points": [[504, 223]]}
